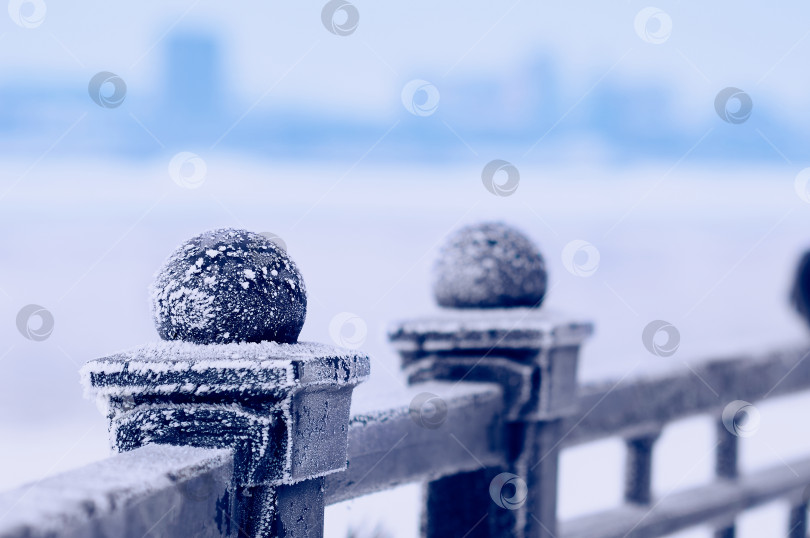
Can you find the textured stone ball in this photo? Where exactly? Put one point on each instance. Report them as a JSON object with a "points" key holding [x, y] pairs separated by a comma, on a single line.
{"points": [[489, 265], [227, 286]]}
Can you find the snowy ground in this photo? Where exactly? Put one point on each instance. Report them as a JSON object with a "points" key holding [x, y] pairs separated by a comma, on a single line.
{"points": [[710, 250]]}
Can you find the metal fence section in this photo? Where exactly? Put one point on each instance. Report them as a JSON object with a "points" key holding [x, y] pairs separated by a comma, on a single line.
{"points": [[258, 444]]}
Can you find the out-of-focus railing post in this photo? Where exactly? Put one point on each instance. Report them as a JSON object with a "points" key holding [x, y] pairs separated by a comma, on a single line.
{"points": [[726, 466], [638, 472], [534, 358], [798, 514], [492, 334], [797, 522]]}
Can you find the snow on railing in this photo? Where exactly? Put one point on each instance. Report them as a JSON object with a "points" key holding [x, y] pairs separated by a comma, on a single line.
{"points": [[254, 439]]}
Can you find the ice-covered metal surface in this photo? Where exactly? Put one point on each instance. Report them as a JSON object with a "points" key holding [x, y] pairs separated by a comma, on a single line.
{"points": [[199, 370], [489, 265], [464, 331], [229, 285], [530, 352], [159, 491], [394, 441], [284, 408]]}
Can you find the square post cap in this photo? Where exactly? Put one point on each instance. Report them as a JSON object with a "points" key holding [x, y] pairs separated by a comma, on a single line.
{"points": [[283, 408], [532, 353]]}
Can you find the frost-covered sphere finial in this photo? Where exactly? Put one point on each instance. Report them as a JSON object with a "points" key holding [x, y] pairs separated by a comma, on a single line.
{"points": [[489, 265], [227, 286]]}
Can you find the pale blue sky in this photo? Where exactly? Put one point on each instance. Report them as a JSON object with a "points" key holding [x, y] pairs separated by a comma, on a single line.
{"points": [[758, 46]]}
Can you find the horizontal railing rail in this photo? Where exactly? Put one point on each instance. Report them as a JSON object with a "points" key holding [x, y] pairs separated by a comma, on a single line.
{"points": [[388, 448], [720, 501], [157, 491], [626, 408]]}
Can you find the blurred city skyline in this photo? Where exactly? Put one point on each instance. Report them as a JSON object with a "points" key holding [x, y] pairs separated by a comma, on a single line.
{"points": [[528, 111]]}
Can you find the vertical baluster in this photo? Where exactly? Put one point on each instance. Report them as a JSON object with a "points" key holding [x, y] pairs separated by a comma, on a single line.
{"points": [[725, 466], [725, 532], [638, 473], [797, 524]]}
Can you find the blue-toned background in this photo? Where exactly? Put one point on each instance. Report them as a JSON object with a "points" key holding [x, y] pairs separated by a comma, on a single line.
{"points": [[533, 82]]}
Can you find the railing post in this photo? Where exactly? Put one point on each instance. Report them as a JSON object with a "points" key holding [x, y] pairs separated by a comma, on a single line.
{"points": [[638, 472], [726, 458], [282, 407], [491, 280], [726, 466], [797, 523]]}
